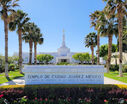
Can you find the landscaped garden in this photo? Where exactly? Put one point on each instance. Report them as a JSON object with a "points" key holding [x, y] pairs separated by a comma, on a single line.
{"points": [[12, 75], [13, 69], [115, 75], [108, 22], [64, 94]]}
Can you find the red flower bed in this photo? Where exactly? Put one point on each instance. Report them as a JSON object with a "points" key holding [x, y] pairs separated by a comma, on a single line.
{"points": [[64, 95]]}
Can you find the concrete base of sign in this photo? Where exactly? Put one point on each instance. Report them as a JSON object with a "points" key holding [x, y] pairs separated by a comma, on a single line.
{"points": [[78, 74]]}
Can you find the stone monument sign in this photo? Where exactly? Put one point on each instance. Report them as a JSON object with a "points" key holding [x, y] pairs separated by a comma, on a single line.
{"points": [[53, 74]]}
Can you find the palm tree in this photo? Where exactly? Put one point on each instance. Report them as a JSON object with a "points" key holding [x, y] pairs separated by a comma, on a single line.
{"points": [[94, 21], [6, 8], [20, 19], [108, 27], [124, 36], [124, 42], [117, 8], [28, 36], [91, 41], [37, 39]]}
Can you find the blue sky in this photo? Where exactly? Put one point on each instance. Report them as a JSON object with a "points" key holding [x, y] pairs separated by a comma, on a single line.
{"points": [[52, 16]]}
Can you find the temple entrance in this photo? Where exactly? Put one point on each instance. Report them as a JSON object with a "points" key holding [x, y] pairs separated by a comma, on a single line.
{"points": [[63, 60]]}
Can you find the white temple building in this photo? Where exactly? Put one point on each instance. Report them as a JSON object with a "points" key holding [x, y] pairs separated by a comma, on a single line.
{"points": [[63, 54]]}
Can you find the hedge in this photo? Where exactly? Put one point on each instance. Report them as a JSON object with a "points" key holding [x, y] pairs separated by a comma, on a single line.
{"points": [[64, 94], [65, 86], [116, 68]]}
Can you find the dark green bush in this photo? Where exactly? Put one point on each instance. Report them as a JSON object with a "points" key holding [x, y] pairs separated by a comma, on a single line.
{"points": [[12, 67], [114, 67], [124, 69], [2, 68], [11, 61], [63, 63]]}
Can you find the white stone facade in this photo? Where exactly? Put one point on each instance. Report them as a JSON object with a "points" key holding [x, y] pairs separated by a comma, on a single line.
{"points": [[116, 60]]}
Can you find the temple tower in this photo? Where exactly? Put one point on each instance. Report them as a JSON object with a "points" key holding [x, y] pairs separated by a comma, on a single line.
{"points": [[63, 50]]}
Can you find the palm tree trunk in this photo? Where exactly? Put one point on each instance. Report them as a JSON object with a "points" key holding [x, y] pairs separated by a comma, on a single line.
{"points": [[35, 53], [98, 49], [6, 45], [20, 50], [109, 52], [120, 29], [92, 49], [30, 53]]}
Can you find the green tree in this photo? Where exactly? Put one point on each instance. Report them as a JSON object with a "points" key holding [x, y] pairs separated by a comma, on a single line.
{"points": [[37, 40], [82, 57], [105, 58], [117, 8], [104, 49], [79, 57], [20, 19], [124, 38], [44, 58], [16, 59], [91, 41], [125, 30], [114, 48], [109, 27], [94, 23], [28, 36], [87, 57], [7, 8]]}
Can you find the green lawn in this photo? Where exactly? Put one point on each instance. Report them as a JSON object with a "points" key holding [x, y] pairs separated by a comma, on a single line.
{"points": [[115, 75], [12, 75]]}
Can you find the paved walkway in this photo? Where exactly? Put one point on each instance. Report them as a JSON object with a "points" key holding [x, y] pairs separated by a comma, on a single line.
{"points": [[20, 81], [112, 81]]}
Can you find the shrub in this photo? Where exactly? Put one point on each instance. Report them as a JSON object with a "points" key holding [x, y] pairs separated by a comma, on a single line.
{"points": [[114, 67], [12, 67], [11, 62], [1, 99], [65, 94], [63, 63], [124, 69], [2, 68]]}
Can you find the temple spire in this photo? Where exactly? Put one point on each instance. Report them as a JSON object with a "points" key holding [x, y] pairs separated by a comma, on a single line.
{"points": [[63, 43]]}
